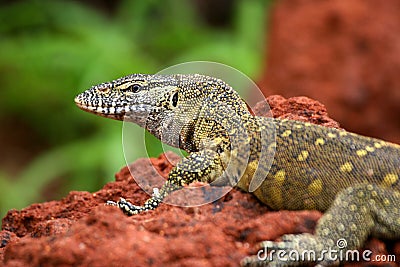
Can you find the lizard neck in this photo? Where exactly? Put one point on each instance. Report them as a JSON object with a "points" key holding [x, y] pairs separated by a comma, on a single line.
{"points": [[204, 118]]}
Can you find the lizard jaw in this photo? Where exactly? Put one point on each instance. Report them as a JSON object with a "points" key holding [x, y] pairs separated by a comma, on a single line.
{"points": [[116, 113], [133, 113]]}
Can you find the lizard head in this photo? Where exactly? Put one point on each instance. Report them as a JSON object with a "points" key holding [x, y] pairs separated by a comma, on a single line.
{"points": [[118, 98], [163, 104]]}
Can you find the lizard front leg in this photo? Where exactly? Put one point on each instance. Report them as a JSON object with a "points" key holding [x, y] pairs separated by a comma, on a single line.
{"points": [[204, 166], [356, 213]]}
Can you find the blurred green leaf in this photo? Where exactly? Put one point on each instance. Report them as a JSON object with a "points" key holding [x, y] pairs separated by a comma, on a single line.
{"points": [[50, 50]]}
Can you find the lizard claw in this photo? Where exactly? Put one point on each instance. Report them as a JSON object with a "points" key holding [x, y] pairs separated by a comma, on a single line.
{"points": [[125, 206], [119, 203], [130, 209], [111, 203]]}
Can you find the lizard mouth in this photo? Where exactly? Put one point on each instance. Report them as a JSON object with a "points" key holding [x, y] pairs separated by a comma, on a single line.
{"points": [[122, 112], [117, 113]]}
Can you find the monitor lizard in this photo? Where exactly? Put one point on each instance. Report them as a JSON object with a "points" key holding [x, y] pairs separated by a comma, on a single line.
{"points": [[353, 179]]}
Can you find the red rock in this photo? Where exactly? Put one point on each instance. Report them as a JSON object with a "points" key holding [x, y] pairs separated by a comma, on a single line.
{"points": [[345, 54]]}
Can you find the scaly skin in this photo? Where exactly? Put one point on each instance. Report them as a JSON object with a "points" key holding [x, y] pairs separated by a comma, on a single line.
{"points": [[287, 164]]}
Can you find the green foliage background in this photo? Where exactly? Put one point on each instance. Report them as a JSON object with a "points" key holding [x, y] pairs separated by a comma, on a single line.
{"points": [[52, 50]]}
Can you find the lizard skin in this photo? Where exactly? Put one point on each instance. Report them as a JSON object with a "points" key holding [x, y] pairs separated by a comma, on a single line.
{"points": [[352, 178]]}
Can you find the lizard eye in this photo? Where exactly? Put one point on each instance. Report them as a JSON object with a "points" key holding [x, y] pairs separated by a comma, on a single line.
{"points": [[134, 88]]}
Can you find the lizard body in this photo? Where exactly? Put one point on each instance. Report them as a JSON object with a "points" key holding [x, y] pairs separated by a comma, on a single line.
{"points": [[352, 178]]}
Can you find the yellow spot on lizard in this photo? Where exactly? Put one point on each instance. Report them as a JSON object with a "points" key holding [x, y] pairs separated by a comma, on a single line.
{"points": [[390, 179], [280, 177], [319, 141], [378, 145], [361, 152], [353, 207], [386, 202], [369, 148], [383, 143], [331, 135], [347, 167], [315, 188], [303, 155], [286, 133]]}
